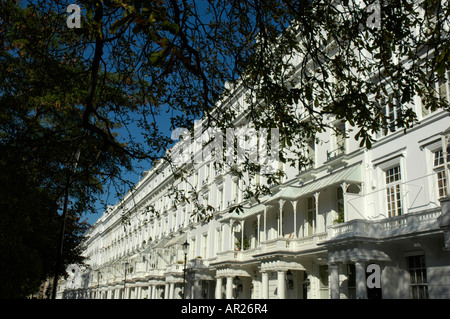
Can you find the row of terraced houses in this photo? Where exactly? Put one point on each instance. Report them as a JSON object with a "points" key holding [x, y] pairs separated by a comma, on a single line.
{"points": [[326, 231]]}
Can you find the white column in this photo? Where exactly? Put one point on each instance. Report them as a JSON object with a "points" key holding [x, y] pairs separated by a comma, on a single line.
{"points": [[171, 290], [294, 205], [231, 235], [166, 291], [265, 223], [316, 198], [229, 291], [361, 284], [344, 187], [334, 281], [154, 292], [219, 288], [281, 284], [280, 229], [222, 241], [196, 289], [265, 285], [242, 234], [445, 142], [258, 217]]}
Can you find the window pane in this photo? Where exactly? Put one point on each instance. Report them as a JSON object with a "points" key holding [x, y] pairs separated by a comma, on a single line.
{"points": [[414, 292], [411, 262], [421, 292], [422, 261], [412, 277], [323, 276], [418, 276], [394, 203], [438, 158]]}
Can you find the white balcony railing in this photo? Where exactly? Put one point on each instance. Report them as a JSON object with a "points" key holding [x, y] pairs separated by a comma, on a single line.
{"points": [[272, 246], [404, 224]]}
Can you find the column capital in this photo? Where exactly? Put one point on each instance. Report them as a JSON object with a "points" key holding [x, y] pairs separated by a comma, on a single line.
{"points": [[334, 265], [344, 186], [316, 196]]}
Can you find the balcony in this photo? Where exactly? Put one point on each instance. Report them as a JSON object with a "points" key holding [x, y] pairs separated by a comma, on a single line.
{"points": [[177, 268], [236, 255], [310, 164], [336, 157], [272, 247], [231, 202], [336, 152], [404, 225], [292, 245]]}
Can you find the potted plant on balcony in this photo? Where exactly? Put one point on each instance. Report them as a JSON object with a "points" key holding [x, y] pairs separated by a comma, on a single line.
{"points": [[340, 218], [239, 243]]}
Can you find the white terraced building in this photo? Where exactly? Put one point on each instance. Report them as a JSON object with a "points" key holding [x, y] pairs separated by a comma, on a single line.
{"points": [[314, 237]]}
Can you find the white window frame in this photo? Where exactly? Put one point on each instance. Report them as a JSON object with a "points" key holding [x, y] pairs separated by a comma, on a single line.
{"points": [[440, 171], [383, 164], [193, 248], [394, 187], [218, 240], [204, 244], [220, 196], [339, 140], [311, 210], [414, 283], [390, 108], [309, 151], [441, 90]]}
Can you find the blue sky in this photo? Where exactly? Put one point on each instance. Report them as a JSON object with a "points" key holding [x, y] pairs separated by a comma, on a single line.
{"points": [[163, 121], [164, 126]]}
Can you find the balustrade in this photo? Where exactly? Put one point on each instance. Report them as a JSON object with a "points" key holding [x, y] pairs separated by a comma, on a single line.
{"points": [[407, 223]]}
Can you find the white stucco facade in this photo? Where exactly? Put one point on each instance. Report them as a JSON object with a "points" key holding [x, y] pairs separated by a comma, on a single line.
{"points": [[292, 232], [313, 237]]}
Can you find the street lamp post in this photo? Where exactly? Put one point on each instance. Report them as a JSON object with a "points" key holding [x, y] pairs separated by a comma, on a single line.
{"points": [[185, 250]]}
